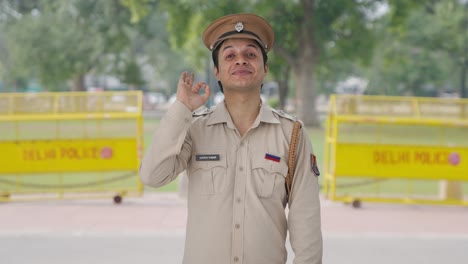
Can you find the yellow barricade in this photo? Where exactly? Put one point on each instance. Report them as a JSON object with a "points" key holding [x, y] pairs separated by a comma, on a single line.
{"points": [[396, 149], [70, 145]]}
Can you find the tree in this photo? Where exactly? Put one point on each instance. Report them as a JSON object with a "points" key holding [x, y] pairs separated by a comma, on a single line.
{"points": [[422, 53], [151, 44], [62, 40], [59, 41], [447, 34]]}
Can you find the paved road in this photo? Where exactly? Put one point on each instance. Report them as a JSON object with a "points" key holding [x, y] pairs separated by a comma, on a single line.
{"points": [[151, 230], [124, 248]]}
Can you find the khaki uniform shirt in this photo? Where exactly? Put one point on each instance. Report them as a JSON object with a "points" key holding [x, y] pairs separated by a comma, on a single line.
{"points": [[236, 186]]}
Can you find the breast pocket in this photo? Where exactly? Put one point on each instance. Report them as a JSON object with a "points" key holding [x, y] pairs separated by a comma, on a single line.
{"points": [[268, 176], [208, 177]]}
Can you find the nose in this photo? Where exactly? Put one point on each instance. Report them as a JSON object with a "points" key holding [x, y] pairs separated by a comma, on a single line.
{"points": [[241, 61]]}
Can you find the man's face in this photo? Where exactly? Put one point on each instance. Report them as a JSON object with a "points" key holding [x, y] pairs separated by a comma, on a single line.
{"points": [[240, 65]]}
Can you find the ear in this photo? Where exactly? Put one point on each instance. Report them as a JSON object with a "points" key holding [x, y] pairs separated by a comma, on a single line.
{"points": [[216, 72], [265, 69]]}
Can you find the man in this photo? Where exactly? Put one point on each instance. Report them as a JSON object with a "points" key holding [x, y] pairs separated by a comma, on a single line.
{"points": [[236, 157]]}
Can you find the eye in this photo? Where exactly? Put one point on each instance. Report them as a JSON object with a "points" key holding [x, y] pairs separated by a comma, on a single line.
{"points": [[251, 55], [229, 56]]}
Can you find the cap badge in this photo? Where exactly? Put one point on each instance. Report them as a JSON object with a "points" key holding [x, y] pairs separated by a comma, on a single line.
{"points": [[239, 26]]}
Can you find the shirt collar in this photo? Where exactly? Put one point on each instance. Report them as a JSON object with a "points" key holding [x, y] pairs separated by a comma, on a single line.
{"points": [[221, 115], [266, 115]]}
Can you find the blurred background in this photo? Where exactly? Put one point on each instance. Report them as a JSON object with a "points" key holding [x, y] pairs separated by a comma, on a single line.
{"points": [[381, 86], [375, 47]]}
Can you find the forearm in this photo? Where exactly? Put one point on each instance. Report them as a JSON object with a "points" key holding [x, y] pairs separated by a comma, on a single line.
{"points": [[170, 149], [305, 229], [304, 221]]}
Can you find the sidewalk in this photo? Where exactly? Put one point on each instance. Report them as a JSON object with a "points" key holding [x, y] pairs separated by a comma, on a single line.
{"points": [[166, 212]]}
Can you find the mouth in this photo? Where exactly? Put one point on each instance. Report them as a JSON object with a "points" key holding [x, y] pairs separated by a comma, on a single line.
{"points": [[241, 72]]}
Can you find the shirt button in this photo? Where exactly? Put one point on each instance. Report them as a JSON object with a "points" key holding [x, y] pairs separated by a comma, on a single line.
{"points": [[236, 259], [242, 144], [238, 200], [241, 168], [237, 226]]}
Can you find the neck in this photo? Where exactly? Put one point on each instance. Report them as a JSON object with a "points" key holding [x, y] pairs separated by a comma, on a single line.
{"points": [[243, 110]]}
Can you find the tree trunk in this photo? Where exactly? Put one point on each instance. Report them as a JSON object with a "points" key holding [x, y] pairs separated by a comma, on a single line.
{"points": [[78, 83], [283, 86], [15, 85], [79, 102], [304, 68], [305, 94], [283, 93], [463, 93]]}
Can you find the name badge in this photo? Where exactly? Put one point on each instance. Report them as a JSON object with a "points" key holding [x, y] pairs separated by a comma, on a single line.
{"points": [[207, 157]]}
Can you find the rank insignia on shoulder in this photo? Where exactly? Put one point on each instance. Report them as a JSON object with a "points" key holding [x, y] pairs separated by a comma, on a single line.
{"points": [[285, 115], [313, 161], [202, 112]]}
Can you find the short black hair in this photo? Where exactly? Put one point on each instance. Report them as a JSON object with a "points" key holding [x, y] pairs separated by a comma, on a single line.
{"points": [[215, 53]]}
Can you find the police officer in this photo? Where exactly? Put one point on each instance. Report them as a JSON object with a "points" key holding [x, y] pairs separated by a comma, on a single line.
{"points": [[235, 155]]}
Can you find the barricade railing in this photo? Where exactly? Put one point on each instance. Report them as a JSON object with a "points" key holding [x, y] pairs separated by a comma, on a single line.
{"points": [[396, 149], [70, 145]]}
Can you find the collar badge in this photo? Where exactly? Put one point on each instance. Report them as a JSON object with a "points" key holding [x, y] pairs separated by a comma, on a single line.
{"points": [[239, 26]]}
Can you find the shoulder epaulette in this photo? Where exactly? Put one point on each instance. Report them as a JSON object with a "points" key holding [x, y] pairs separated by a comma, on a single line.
{"points": [[203, 112], [285, 115]]}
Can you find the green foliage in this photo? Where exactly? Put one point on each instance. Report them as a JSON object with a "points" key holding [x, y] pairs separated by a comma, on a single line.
{"points": [[154, 46], [138, 9], [132, 74], [423, 59], [417, 47], [65, 39]]}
